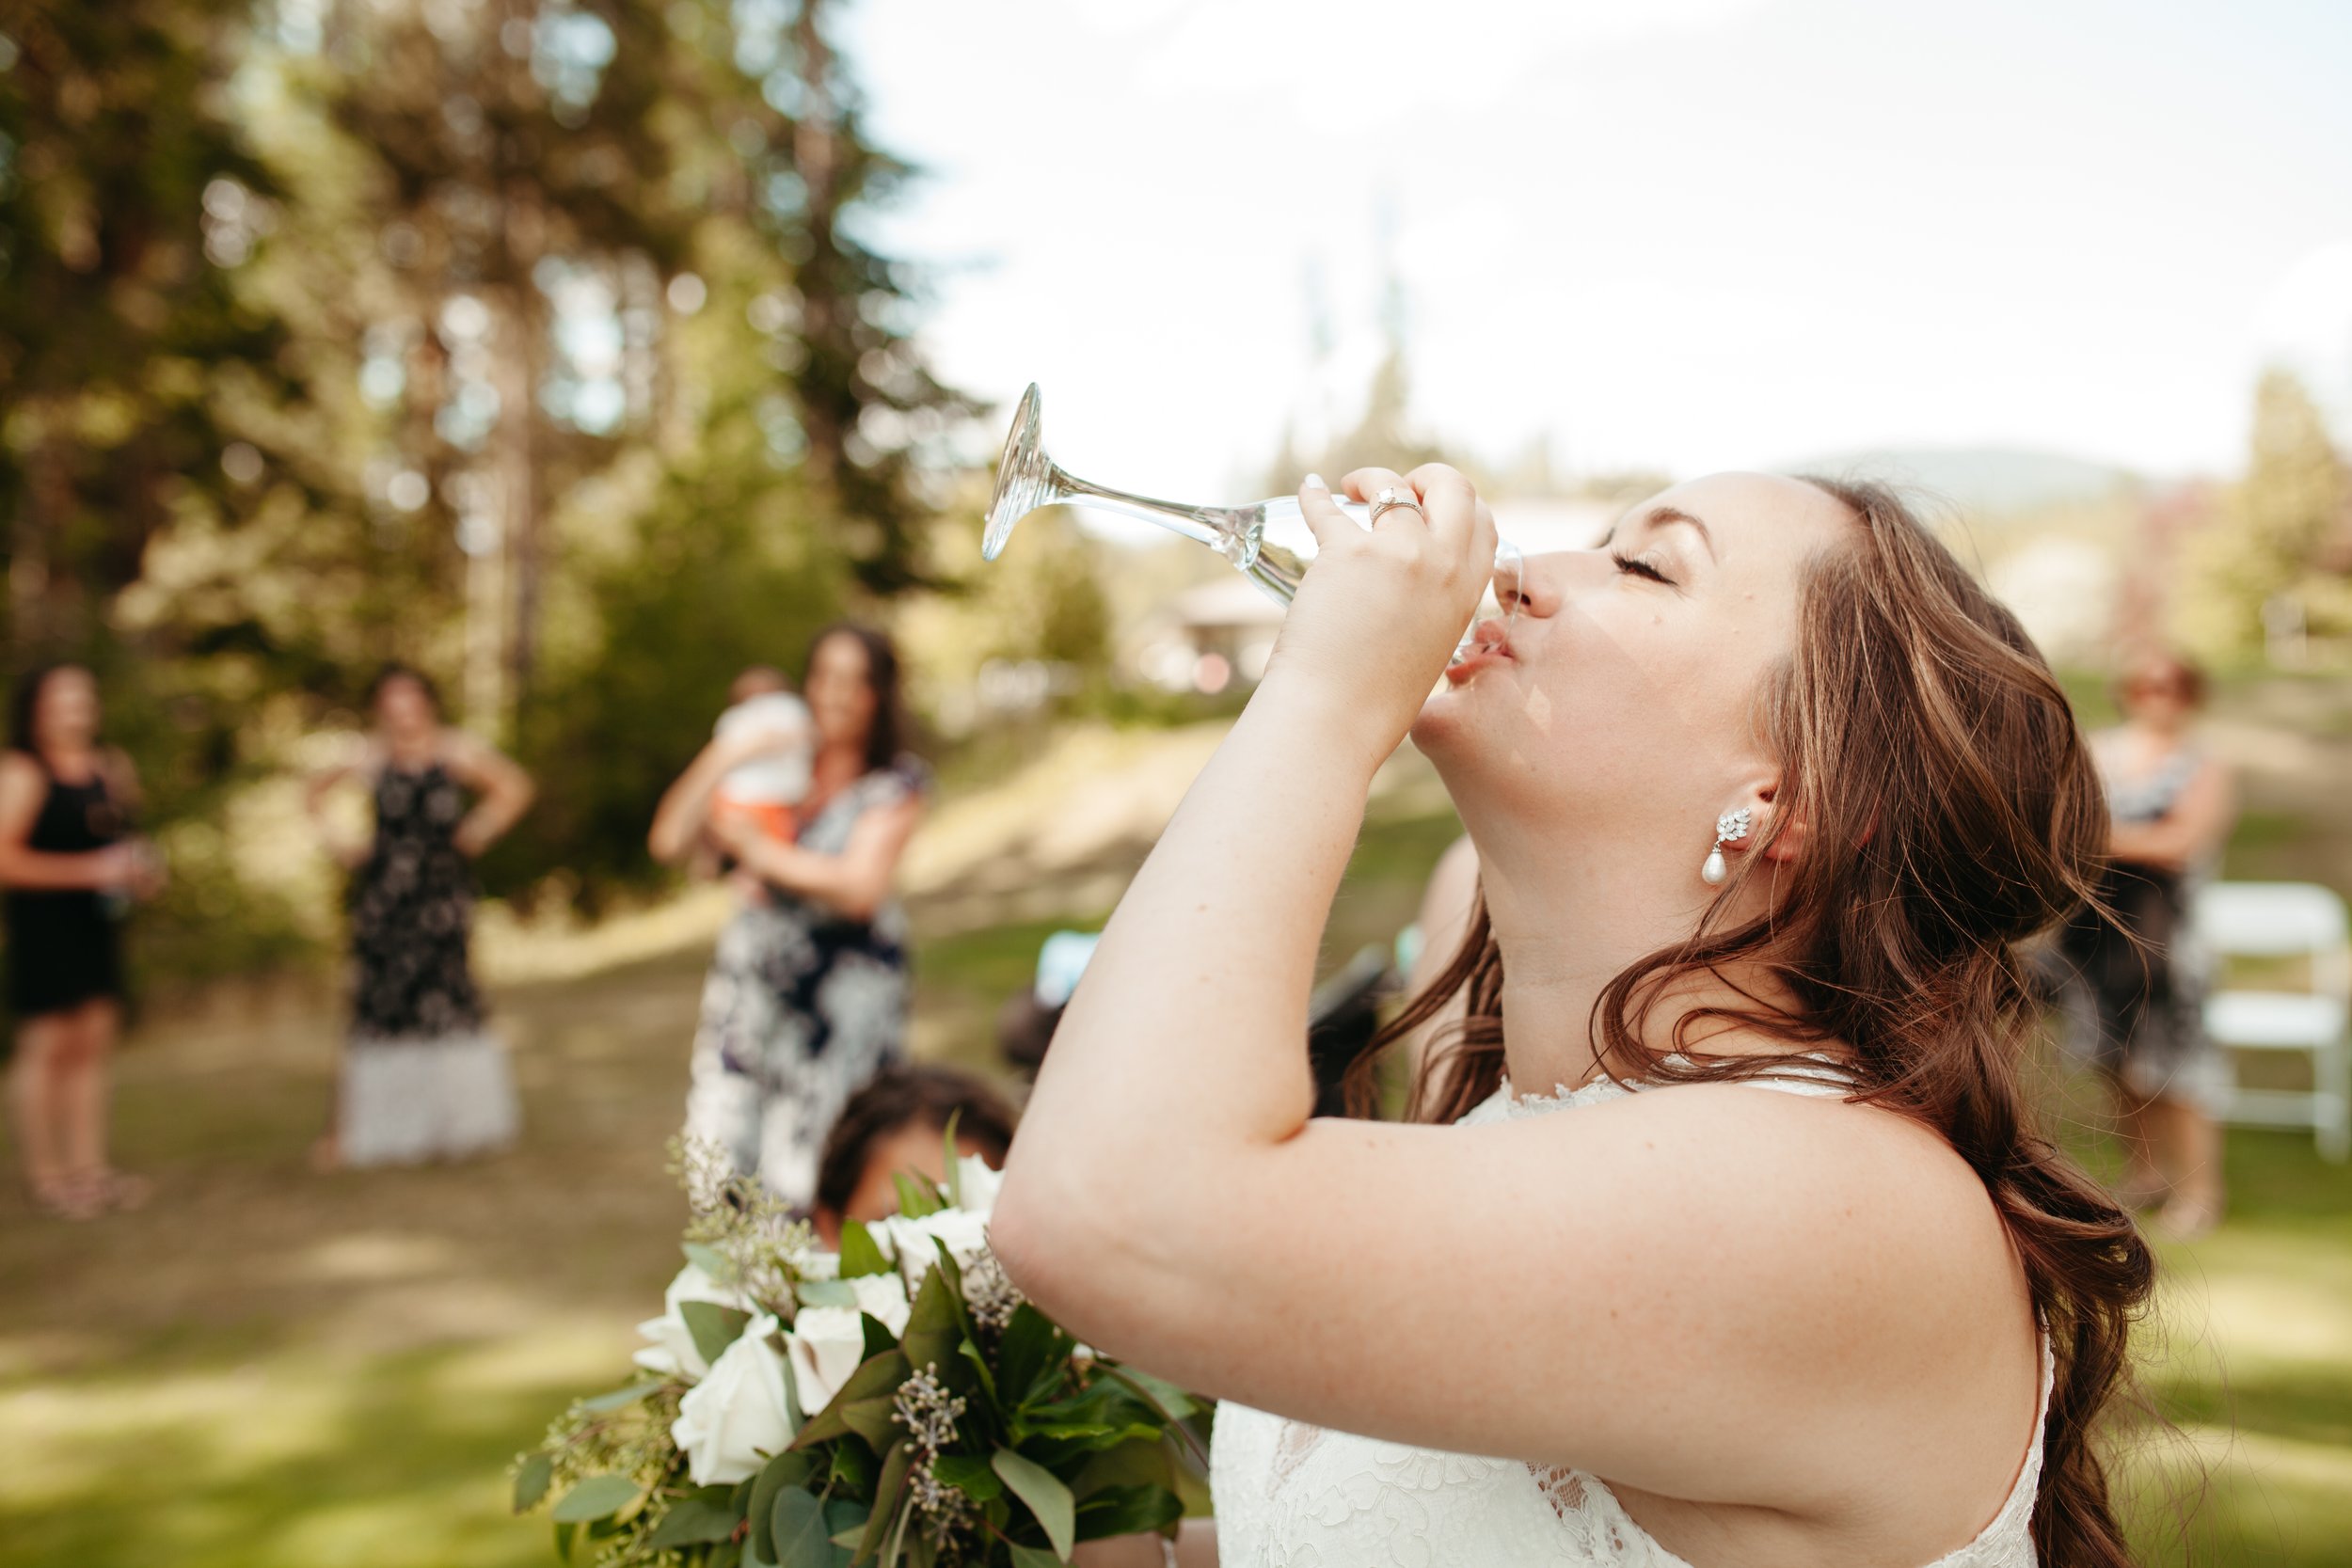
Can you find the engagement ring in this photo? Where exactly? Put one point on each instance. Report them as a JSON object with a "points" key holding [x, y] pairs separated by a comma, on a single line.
{"points": [[1390, 498]]}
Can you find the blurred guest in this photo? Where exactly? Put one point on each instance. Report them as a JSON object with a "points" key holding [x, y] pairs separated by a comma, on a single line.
{"points": [[71, 865], [771, 785], [807, 994], [2141, 977], [423, 1078], [898, 1122]]}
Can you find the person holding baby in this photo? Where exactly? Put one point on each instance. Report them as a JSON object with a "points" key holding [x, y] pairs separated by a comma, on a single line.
{"points": [[806, 802]]}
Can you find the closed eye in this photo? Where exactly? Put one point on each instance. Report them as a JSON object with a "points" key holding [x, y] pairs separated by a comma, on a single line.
{"points": [[1640, 567]]}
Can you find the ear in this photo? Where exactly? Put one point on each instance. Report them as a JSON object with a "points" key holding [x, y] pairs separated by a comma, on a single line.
{"points": [[1782, 836]]}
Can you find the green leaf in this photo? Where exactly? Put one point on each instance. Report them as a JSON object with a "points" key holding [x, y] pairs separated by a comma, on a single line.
{"points": [[1174, 1402], [861, 1254], [706, 1515], [853, 1469], [597, 1497], [846, 1520], [727, 1553], [532, 1480], [917, 1196], [871, 1419], [933, 1329], [1048, 1497], [955, 1175], [563, 1534], [1144, 1462], [620, 1396], [879, 1339], [709, 1260], [1031, 1346], [826, 1292], [799, 1530], [897, 1465], [969, 1473], [881, 1376], [787, 1469], [1029, 1557], [713, 1327], [1128, 1511]]}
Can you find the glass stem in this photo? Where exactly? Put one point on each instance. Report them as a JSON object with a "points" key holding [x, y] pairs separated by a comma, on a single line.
{"points": [[1222, 529]]}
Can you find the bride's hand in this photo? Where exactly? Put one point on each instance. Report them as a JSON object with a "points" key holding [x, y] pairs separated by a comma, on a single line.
{"points": [[1381, 610]]}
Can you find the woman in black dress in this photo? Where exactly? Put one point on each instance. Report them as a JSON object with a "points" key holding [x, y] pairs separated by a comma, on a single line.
{"points": [[423, 1078], [807, 995], [71, 865]]}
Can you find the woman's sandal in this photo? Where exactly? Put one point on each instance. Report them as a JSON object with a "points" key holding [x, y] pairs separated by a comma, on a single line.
{"points": [[67, 1199], [119, 1191]]}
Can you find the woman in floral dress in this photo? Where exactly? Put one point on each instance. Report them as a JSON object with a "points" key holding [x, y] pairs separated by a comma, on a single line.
{"points": [[423, 1078], [807, 994]]}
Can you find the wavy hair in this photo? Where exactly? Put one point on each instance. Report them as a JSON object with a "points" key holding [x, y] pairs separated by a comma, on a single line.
{"points": [[1952, 810]]}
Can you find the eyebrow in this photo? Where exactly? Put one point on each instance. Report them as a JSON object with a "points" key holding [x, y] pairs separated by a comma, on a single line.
{"points": [[1659, 516]]}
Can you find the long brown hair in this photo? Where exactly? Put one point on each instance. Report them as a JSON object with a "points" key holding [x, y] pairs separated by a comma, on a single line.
{"points": [[1950, 808]]}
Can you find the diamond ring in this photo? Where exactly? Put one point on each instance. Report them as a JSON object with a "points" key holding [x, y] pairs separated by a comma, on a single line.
{"points": [[1392, 498]]}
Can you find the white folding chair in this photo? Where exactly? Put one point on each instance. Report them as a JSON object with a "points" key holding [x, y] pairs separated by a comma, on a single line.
{"points": [[2286, 920]]}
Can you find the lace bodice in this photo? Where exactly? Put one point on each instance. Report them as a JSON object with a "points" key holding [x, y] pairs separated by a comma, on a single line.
{"points": [[1293, 1495]]}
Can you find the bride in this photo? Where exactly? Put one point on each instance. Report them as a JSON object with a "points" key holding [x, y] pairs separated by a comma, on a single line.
{"points": [[1725, 1238]]}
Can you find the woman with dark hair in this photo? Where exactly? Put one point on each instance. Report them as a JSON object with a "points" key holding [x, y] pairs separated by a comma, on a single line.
{"points": [[1725, 1236], [807, 994], [898, 1123], [422, 1077], [2133, 961], [69, 862]]}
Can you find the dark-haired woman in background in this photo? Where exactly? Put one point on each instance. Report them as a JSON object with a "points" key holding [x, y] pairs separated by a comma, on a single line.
{"points": [[807, 994], [898, 1122], [70, 861], [422, 1077]]}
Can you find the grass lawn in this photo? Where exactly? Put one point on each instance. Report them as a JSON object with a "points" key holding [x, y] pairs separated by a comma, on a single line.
{"points": [[273, 1370]]}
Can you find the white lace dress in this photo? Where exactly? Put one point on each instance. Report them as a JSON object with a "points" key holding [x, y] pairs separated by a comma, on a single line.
{"points": [[1293, 1495]]}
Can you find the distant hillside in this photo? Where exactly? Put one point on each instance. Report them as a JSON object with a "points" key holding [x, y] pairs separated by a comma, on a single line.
{"points": [[1983, 480]]}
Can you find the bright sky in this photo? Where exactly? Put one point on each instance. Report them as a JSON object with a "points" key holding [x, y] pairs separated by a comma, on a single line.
{"points": [[1690, 233]]}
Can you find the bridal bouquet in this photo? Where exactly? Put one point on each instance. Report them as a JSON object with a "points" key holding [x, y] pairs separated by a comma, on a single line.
{"points": [[895, 1403]]}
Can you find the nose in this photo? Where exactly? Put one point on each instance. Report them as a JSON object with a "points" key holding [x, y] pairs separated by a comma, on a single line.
{"points": [[1547, 582]]}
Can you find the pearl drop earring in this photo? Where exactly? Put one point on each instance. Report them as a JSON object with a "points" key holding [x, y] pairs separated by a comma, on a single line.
{"points": [[1730, 828]]}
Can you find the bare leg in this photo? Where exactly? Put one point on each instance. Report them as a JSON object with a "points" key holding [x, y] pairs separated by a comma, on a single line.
{"points": [[2188, 1145], [2146, 1181], [82, 1089], [32, 1098]]}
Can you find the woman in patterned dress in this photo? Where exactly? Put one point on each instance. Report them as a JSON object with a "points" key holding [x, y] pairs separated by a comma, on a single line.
{"points": [[2138, 980], [422, 1079], [807, 994]]}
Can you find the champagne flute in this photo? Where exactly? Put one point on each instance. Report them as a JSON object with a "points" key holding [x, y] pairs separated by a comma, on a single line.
{"points": [[1267, 541]]}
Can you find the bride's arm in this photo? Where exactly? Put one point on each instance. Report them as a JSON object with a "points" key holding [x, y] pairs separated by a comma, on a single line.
{"points": [[1675, 1290]]}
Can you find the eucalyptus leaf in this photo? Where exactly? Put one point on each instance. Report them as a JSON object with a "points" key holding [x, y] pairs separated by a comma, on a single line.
{"points": [[861, 1254], [704, 1515], [620, 1396], [709, 1260], [727, 1553], [597, 1497], [879, 1339], [531, 1482], [563, 1533], [1027, 1352], [799, 1530], [853, 1467], [933, 1331], [1048, 1497], [872, 1420], [1029, 1557], [826, 1292], [712, 1326]]}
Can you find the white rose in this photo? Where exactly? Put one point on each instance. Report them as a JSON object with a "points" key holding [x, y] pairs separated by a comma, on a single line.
{"points": [[976, 1180], [671, 1350], [826, 1345], [736, 1416], [883, 1296], [965, 1233]]}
